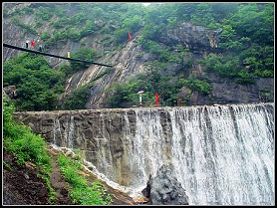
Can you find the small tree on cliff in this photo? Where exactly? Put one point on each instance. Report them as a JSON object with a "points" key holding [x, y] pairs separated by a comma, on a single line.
{"points": [[84, 54]]}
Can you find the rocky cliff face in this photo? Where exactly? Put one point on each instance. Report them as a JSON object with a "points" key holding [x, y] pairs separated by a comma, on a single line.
{"points": [[126, 62], [196, 38], [16, 36], [225, 91], [130, 59]]}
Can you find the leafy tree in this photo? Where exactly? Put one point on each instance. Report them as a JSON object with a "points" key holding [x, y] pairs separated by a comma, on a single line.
{"points": [[77, 99], [84, 54], [45, 36], [37, 84], [201, 86]]}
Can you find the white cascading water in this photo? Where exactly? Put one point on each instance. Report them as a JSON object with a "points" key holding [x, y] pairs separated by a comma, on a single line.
{"points": [[222, 155], [228, 155]]}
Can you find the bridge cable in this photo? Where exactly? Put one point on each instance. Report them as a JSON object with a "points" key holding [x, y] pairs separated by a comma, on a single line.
{"points": [[55, 56]]}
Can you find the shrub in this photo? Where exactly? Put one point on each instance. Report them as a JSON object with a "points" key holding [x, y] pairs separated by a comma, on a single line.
{"points": [[245, 77], [78, 98], [26, 146], [198, 85], [84, 54], [37, 84], [264, 73], [19, 140], [121, 35], [81, 192], [45, 36]]}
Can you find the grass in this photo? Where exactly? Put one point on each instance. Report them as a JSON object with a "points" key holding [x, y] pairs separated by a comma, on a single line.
{"points": [[80, 192], [26, 146]]}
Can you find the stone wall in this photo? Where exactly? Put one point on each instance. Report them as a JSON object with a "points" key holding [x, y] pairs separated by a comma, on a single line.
{"points": [[91, 131]]}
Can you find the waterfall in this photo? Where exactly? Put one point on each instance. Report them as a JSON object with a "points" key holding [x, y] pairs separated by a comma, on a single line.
{"points": [[71, 133], [226, 154], [221, 155]]}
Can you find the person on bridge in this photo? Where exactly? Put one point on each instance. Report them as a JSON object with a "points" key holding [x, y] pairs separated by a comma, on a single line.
{"points": [[40, 45], [33, 43], [27, 44]]}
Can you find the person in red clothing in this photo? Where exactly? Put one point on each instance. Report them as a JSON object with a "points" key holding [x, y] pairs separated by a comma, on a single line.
{"points": [[33, 43], [129, 36], [157, 99]]}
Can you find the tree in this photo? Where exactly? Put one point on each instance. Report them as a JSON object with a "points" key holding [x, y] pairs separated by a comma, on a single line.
{"points": [[84, 54], [37, 84]]}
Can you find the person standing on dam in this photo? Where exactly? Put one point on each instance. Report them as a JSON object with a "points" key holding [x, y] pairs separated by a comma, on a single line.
{"points": [[157, 100], [140, 97]]}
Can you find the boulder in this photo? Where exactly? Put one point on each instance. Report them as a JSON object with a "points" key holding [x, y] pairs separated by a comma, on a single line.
{"points": [[165, 189]]}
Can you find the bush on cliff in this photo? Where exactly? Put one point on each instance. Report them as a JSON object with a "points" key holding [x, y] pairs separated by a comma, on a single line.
{"points": [[77, 99], [84, 54]]}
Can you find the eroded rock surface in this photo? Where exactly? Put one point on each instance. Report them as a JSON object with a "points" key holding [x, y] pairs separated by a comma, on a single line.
{"points": [[165, 189]]}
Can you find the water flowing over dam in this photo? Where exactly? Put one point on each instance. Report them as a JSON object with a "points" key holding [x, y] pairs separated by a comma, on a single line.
{"points": [[221, 154]]}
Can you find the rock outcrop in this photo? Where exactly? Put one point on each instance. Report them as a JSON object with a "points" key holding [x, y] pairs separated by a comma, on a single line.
{"points": [[196, 38], [164, 189], [10, 91], [126, 64]]}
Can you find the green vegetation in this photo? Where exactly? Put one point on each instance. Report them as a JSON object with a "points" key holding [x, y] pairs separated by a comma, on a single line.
{"points": [[27, 28], [125, 94], [163, 53], [29, 147], [245, 48], [247, 34], [45, 36], [201, 86], [78, 98], [43, 13], [85, 54], [246, 37], [266, 95], [26, 146], [81, 192], [224, 66], [38, 86]]}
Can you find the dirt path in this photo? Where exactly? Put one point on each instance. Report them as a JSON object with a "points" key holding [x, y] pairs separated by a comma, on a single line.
{"points": [[58, 182], [21, 185]]}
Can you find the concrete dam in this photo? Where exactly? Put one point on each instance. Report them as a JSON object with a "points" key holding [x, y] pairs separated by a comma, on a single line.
{"points": [[221, 154]]}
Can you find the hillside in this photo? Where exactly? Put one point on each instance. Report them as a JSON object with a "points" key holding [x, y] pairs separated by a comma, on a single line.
{"points": [[36, 173], [190, 54]]}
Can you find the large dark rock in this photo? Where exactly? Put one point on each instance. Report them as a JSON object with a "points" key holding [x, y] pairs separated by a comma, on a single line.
{"points": [[194, 37], [165, 188]]}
